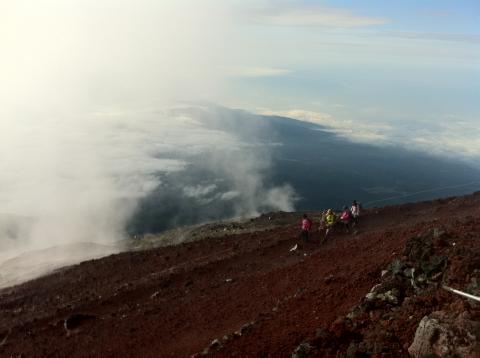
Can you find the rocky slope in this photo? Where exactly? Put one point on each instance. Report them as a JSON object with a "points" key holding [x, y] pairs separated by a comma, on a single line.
{"points": [[240, 291]]}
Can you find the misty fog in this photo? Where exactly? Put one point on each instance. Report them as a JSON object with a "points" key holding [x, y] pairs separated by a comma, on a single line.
{"points": [[87, 124]]}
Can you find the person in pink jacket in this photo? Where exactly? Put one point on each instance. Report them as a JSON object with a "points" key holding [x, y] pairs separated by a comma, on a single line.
{"points": [[346, 218], [306, 225]]}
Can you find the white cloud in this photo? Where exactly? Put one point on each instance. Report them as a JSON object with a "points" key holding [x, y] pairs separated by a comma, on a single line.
{"points": [[314, 16], [108, 51], [281, 197], [229, 195], [364, 132], [199, 191], [261, 72], [78, 177], [445, 135], [437, 36], [453, 136]]}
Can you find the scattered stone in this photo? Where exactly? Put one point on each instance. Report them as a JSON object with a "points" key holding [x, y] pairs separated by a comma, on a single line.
{"points": [[397, 267], [329, 279], [206, 352], [436, 232], [155, 294], [302, 350], [237, 333], [409, 272], [216, 344], [355, 312], [75, 320], [421, 278], [228, 280], [392, 296], [246, 328]]}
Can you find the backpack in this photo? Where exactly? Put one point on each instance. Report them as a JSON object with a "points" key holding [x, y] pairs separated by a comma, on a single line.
{"points": [[309, 223]]}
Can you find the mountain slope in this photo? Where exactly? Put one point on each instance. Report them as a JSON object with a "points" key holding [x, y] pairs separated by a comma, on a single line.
{"points": [[249, 290]]}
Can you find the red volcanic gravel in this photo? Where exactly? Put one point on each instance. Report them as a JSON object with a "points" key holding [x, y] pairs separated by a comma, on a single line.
{"points": [[248, 291]]}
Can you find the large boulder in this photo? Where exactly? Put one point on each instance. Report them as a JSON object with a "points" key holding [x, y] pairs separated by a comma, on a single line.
{"points": [[441, 336]]}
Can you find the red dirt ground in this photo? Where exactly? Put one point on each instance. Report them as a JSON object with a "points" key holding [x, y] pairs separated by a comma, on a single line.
{"points": [[174, 301]]}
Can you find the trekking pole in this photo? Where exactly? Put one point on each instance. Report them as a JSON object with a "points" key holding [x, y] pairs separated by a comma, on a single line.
{"points": [[464, 294]]}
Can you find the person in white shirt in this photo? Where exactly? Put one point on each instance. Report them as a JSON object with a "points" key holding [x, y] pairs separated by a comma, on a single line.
{"points": [[355, 210]]}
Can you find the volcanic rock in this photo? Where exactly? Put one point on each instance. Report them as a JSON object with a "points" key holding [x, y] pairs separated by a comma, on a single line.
{"points": [[441, 336]]}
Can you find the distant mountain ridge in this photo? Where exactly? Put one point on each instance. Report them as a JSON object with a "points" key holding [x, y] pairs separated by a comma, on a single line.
{"points": [[323, 169]]}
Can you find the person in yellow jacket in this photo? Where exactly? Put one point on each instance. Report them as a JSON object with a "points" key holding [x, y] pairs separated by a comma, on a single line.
{"points": [[330, 221]]}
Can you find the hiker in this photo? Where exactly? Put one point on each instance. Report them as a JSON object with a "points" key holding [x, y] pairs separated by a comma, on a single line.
{"points": [[346, 218], [330, 221], [306, 226], [355, 210]]}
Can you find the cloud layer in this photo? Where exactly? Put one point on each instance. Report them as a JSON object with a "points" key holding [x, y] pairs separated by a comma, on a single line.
{"points": [[71, 176], [289, 14], [87, 127], [450, 136]]}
